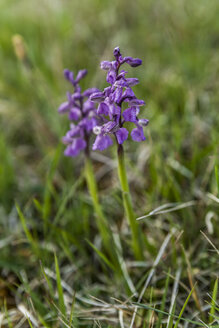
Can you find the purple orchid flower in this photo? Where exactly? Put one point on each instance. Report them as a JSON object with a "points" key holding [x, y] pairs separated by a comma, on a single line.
{"points": [[82, 112], [111, 100]]}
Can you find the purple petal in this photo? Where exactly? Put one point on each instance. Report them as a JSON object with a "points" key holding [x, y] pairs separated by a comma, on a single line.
{"points": [[68, 138], [111, 76], [137, 134], [107, 91], [122, 83], [105, 65], [118, 95], [121, 74], [88, 106], [80, 75], [137, 102], [109, 127], [113, 110], [64, 107], [70, 152], [74, 114], [132, 81], [128, 93], [88, 124], [102, 142], [69, 75], [97, 97], [130, 114], [75, 148], [89, 92], [77, 96], [122, 135], [134, 62], [103, 109]]}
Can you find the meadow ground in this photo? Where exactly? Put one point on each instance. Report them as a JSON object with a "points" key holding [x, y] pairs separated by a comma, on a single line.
{"points": [[53, 268]]}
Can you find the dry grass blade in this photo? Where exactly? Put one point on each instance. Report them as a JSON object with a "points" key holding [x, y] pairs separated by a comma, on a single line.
{"points": [[213, 197], [174, 295], [210, 242], [172, 207]]}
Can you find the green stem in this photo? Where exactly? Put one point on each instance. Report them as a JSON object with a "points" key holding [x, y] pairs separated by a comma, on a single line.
{"points": [[102, 222], [136, 236]]}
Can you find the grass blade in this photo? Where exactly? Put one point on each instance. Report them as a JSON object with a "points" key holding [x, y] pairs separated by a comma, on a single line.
{"points": [[183, 308], [26, 230], [213, 301], [59, 287], [160, 316], [102, 256]]}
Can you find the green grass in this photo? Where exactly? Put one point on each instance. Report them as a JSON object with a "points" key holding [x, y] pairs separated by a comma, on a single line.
{"points": [[45, 208]]}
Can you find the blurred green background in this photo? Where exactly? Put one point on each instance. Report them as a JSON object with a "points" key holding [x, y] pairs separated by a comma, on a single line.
{"points": [[178, 42]]}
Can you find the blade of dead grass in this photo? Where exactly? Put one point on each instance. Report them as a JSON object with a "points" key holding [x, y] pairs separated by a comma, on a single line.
{"points": [[210, 242], [174, 316], [171, 208], [173, 298]]}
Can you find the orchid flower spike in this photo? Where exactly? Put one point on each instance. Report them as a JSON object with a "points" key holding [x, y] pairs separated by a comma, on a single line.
{"points": [[112, 99], [81, 112]]}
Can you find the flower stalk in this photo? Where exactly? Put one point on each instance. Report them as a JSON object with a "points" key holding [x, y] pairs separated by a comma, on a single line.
{"points": [[102, 223], [127, 202]]}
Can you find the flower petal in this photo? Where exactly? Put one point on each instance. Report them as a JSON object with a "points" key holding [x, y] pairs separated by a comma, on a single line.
{"points": [[105, 65], [122, 135], [74, 113], [97, 97], [88, 124], [117, 95], [111, 76], [128, 94], [75, 148], [137, 134], [69, 76], [113, 110], [103, 109], [80, 75], [134, 62], [64, 107], [137, 102], [130, 114], [68, 138], [88, 106], [107, 91], [131, 81], [102, 142], [109, 127]]}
